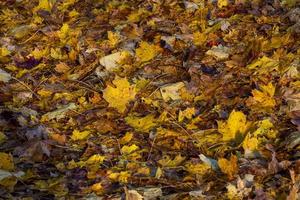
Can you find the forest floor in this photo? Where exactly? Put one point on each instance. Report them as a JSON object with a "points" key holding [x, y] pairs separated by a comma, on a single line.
{"points": [[153, 99]]}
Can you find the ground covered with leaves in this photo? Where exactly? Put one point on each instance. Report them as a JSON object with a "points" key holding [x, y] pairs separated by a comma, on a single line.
{"points": [[153, 99]]}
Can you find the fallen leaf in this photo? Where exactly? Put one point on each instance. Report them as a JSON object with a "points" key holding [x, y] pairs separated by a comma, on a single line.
{"points": [[142, 124], [133, 195], [59, 113], [171, 91], [147, 52], [80, 135], [235, 125], [6, 162], [112, 62], [119, 96], [229, 167], [4, 76]]}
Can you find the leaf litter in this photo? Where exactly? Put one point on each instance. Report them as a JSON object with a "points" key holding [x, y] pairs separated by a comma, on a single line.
{"points": [[149, 99]]}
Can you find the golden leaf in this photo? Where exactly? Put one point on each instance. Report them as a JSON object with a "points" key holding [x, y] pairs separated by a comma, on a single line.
{"points": [[168, 162], [119, 97], [222, 3], [113, 38], [142, 124], [186, 114], [199, 38], [129, 149], [6, 162], [263, 100], [197, 169], [95, 159], [63, 32], [147, 51], [236, 124], [97, 188], [250, 143], [77, 135], [229, 167], [126, 138], [43, 5]]}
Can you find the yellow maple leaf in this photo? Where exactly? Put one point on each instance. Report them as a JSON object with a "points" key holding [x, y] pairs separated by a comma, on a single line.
{"points": [[142, 124], [43, 5], [6, 162], [222, 3], [129, 149], [199, 38], [263, 99], [229, 167], [119, 176], [77, 135], [266, 128], [264, 65], [113, 38], [236, 124], [250, 143], [187, 113], [63, 32], [126, 138], [197, 169], [4, 52], [166, 161], [147, 51], [95, 159], [119, 97], [97, 188]]}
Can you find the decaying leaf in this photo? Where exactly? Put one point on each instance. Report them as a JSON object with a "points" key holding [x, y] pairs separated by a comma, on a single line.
{"points": [[4, 76], [112, 62], [59, 113], [171, 91]]}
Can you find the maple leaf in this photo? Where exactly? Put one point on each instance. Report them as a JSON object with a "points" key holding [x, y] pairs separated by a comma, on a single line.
{"points": [[229, 167], [43, 5], [129, 149], [6, 161], [119, 97], [166, 161], [143, 124], [147, 51], [79, 135], [63, 32], [187, 113], [4, 76], [199, 168], [264, 65], [236, 124], [112, 62], [263, 99], [171, 91], [97, 188], [222, 3], [199, 38], [250, 143], [113, 38]]}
